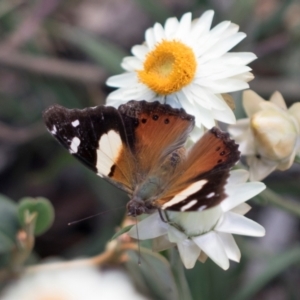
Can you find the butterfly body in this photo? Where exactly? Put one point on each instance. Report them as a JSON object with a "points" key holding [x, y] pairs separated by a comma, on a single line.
{"points": [[139, 147]]}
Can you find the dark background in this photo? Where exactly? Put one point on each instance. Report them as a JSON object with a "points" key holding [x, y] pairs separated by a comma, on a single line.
{"points": [[54, 51]]}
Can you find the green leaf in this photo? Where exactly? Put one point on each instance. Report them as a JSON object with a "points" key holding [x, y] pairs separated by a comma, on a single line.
{"points": [[275, 266], [121, 231], [6, 244], [42, 207], [154, 273], [8, 223], [179, 274]]}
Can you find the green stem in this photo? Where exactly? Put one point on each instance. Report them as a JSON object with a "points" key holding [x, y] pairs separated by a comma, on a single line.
{"points": [[297, 159], [269, 196]]}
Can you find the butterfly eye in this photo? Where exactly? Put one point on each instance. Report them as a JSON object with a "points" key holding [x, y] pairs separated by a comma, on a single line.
{"points": [[222, 153], [144, 121], [167, 121], [155, 117]]}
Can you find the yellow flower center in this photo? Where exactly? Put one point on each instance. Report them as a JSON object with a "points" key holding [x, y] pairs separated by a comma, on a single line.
{"points": [[169, 67]]}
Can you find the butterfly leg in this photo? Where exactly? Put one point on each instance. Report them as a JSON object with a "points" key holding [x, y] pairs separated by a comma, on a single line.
{"points": [[163, 216]]}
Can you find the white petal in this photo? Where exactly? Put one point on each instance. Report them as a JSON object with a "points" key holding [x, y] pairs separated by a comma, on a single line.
{"points": [[277, 99], [140, 51], [259, 169], [209, 99], [239, 193], [175, 236], [208, 71], [206, 117], [137, 92], [189, 253], [184, 26], [195, 223], [196, 133], [122, 80], [247, 77], [208, 41], [222, 85], [225, 116], [252, 102], [150, 39], [219, 29], [158, 228], [243, 136], [114, 103], [173, 100], [223, 46], [239, 58], [190, 109], [131, 64], [231, 248], [238, 176], [161, 243], [202, 25], [212, 245], [237, 224], [202, 257], [232, 29], [171, 26], [159, 32], [194, 98], [239, 128], [241, 209]]}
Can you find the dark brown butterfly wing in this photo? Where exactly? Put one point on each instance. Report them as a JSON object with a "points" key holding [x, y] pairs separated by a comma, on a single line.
{"points": [[123, 145], [200, 179]]}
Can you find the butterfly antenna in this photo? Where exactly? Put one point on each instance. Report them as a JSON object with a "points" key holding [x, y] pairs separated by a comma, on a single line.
{"points": [[93, 216], [138, 241]]}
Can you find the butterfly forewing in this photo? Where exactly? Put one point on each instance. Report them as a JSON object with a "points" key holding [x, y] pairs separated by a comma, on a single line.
{"points": [[160, 130], [97, 137], [123, 145]]}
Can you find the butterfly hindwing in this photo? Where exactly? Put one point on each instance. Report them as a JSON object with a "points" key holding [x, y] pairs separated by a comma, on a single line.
{"points": [[203, 174]]}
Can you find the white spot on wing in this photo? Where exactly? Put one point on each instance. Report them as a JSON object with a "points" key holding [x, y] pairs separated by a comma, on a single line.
{"points": [[189, 205], [75, 123], [74, 145], [190, 190], [54, 130], [202, 207], [210, 195], [110, 146]]}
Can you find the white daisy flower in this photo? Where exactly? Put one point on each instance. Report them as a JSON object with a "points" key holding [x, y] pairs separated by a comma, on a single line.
{"points": [[186, 64], [208, 233], [77, 283], [269, 138]]}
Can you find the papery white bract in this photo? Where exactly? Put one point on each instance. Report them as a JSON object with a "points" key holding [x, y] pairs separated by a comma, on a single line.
{"points": [[207, 233], [77, 283], [186, 64], [269, 138]]}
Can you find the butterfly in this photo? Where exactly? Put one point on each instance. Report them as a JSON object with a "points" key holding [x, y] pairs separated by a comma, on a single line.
{"points": [[140, 148]]}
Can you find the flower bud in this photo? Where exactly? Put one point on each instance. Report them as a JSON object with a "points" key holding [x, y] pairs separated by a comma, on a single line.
{"points": [[275, 133]]}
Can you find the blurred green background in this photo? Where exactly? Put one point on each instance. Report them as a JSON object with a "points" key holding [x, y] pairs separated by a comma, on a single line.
{"points": [[54, 51]]}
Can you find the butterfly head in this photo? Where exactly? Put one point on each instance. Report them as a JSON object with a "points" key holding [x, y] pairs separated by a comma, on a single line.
{"points": [[136, 206]]}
